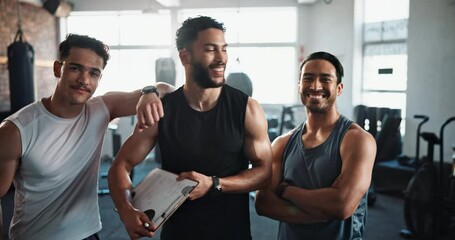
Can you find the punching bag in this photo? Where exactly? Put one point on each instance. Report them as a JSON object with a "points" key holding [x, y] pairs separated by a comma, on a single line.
{"points": [[20, 67], [240, 81], [165, 70]]}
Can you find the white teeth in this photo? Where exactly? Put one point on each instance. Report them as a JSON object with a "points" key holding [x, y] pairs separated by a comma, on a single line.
{"points": [[315, 96]]}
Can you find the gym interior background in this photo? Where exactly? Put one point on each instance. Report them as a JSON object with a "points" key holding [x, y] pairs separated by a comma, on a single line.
{"points": [[398, 61]]}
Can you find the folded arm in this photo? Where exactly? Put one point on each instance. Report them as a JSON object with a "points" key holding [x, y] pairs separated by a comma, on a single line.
{"points": [[268, 203], [300, 206], [339, 201]]}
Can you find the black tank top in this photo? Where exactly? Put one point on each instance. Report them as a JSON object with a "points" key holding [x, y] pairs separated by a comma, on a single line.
{"points": [[210, 143], [314, 168]]}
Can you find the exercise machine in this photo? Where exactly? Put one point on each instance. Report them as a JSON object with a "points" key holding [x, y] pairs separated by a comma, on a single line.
{"points": [[428, 206]]}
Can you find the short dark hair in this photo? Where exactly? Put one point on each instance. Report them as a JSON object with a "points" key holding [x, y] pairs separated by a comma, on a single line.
{"points": [[329, 57], [190, 28], [83, 41]]}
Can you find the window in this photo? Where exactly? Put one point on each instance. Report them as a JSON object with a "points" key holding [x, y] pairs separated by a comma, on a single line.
{"points": [[261, 47], [136, 41], [262, 43], [385, 54]]}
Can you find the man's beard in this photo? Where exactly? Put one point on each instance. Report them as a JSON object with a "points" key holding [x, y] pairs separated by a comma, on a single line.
{"points": [[318, 106], [202, 77]]}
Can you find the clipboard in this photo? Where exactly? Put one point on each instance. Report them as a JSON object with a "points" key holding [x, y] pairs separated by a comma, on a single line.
{"points": [[159, 194]]}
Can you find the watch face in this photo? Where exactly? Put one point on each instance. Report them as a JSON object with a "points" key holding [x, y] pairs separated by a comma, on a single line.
{"points": [[149, 88]]}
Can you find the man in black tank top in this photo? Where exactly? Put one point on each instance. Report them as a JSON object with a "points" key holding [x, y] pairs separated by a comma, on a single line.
{"points": [[210, 133], [322, 169]]}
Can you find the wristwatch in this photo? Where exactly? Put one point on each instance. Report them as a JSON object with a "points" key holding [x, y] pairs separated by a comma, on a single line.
{"points": [[216, 186], [150, 89]]}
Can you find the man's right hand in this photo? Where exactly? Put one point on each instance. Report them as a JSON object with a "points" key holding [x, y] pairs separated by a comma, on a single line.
{"points": [[137, 224], [149, 110]]}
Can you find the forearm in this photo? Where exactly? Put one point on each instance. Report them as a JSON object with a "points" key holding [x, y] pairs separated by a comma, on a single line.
{"points": [[120, 186], [322, 204], [268, 204], [247, 180]]}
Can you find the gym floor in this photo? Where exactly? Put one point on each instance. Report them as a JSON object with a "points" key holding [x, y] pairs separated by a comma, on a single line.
{"points": [[385, 217]]}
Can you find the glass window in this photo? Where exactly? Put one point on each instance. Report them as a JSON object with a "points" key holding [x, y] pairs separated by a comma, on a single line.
{"points": [[385, 10], [103, 26], [385, 54], [269, 68], [385, 72], [263, 39], [253, 25], [136, 41], [145, 29], [130, 69], [262, 45]]}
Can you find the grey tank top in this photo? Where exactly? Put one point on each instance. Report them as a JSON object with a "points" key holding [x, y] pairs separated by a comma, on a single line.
{"points": [[314, 168]]}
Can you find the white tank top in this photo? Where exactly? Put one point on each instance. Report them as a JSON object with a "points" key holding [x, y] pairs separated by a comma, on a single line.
{"points": [[57, 179]]}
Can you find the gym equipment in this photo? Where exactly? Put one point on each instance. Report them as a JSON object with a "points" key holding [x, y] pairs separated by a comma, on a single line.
{"points": [[384, 125], [165, 70], [20, 67], [427, 208], [240, 81], [272, 127], [288, 118]]}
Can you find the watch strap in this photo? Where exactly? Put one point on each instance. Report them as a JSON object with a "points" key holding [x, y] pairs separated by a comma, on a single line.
{"points": [[150, 89], [216, 186]]}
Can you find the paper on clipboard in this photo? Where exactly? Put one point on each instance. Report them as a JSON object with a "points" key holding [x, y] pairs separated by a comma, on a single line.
{"points": [[159, 194]]}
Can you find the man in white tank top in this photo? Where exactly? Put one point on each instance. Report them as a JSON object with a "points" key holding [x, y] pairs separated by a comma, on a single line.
{"points": [[50, 149]]}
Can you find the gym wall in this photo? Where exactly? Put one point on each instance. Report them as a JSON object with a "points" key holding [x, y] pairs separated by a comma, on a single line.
{"points": [[41, 31]]}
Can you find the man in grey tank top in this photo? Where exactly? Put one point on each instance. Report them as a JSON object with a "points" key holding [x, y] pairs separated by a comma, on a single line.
{"points": [[322, 169]]}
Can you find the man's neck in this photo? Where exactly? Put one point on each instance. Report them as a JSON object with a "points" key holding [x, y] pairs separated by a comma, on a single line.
{"points": [[201, 99], [320, 121], [56, 107]]}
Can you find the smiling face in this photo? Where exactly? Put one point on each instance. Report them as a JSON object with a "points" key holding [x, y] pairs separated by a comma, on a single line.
{"points": [[318, 86], [207, 58], [79, 75]]}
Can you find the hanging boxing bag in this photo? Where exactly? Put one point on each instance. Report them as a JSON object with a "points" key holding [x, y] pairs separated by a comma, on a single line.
{"points": [[165, 70], [20, 67]]}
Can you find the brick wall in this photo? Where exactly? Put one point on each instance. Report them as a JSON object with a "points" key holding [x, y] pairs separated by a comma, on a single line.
{"points": [[41, 31]]}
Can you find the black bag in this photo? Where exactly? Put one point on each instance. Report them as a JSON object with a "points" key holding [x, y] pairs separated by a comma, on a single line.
{"points": [[21, 71]]}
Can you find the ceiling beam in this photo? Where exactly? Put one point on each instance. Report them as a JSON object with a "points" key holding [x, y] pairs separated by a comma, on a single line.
{"points": [[169, 3]]}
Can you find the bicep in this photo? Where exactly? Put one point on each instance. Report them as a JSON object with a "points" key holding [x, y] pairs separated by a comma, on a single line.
{"points": [[10, 148], [278, 146], [257, 143], [137, 147], [358, 161]]}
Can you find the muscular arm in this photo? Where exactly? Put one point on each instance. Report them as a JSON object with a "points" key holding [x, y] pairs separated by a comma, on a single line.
{"points": [[10, 149], [267, 202], [148, 106], [258, 151], [132, 152], [339, 201]]}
